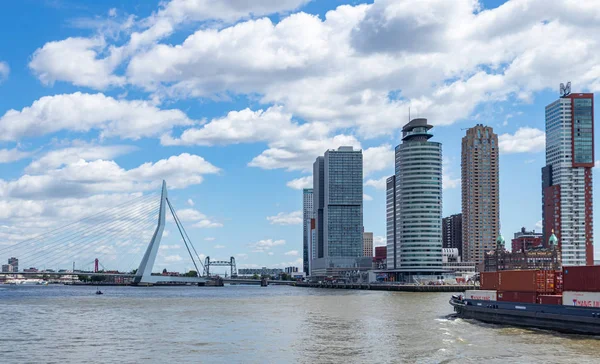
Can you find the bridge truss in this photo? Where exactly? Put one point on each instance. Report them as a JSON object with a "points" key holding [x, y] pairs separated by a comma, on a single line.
{"points": [[220, 263]]}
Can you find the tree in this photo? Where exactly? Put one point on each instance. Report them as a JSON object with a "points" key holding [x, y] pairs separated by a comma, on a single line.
{"points": [[165, 271], [191, 273], [255, 276], [134, 271], [83, 278], [284, 277]]}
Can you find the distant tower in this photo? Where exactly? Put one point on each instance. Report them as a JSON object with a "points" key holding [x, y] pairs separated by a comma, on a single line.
{"points": [[567, 176], [307, 215], [480, 192]]}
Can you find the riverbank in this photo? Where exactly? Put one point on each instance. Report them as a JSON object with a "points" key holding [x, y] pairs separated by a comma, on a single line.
{"points": [[390, 287]]}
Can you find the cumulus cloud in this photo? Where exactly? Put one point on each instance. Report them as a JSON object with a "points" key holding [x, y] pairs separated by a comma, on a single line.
{"points": [[300, 183], [379, 184], [283, 218], [4, 71], [61, 157], [218, 246], [198, 219], [367, 197], [291, 252], [209, 238], [262, 246], [524, 140], [82, 112], [12, 155], [449, 180], [377, 159], [379, 241], [190, 202]]}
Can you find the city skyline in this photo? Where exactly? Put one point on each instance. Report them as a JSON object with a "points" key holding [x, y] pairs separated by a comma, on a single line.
{"points": [[232, 105]]}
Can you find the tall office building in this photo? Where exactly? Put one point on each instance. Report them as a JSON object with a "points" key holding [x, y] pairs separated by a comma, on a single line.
{"points": [[307, 215], [14, 262], [567, 176], [368, 244], [480, 202], [391, 213], [337, 203], [452, 232], [415, 249]]}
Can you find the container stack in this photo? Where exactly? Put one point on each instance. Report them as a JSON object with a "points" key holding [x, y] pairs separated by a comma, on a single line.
{"points": [[523, 286], [581, 286]]}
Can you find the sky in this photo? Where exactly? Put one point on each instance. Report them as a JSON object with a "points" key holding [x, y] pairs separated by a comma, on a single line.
{"points": [[231, 101]]}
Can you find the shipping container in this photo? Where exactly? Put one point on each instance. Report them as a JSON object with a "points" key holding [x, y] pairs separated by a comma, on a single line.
{"points": [[541, 281], [584, 299], [558, 282], [549, 299], [582, 278], [521, 297], [485, 295], [488, 280]]}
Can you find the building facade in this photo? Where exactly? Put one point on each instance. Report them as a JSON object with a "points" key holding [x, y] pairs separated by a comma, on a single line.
{"points": [[567, 176], [415, 243], [480, 192], [368, 244], [307, 215], [452, 232], [526, 240], [337, 204], [537, 258], [14, 262]]}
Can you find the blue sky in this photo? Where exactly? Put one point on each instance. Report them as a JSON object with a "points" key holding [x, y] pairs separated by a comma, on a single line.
{"points": [[231, 102]]}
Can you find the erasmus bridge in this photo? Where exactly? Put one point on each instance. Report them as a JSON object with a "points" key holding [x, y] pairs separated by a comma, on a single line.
{"points": [[118, 236]]}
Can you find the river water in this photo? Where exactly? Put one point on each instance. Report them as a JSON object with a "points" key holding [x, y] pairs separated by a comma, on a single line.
{"points": [[251, 324]]}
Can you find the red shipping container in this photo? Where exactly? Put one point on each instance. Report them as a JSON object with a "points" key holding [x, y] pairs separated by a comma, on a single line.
{"points": [[488, 280], [550, 299], [518, 280], [582, 278], [520, 297], [558, 282]]}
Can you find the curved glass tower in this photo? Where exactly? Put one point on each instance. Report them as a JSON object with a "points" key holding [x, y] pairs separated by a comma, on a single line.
{"points": [[418, 200]]}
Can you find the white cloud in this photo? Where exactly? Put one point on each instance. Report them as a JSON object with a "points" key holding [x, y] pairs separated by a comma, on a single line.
{"points": [[12, 155], [61, 157], [448, 178], [262, 246], [173, 258], [539, 225], [169, 247], [112, 12], [300, 183], [291, 252], [377, 159], [83, 178], [379, 241], [209, 239], [206, 224], [524, 140], [4, 71], [81, 112], [367, 197], [270, 253], [219, 246], [198, 220], [283, 218], [190, 202], [83, 67], [379, 184], [242, 256], [295, 263]]}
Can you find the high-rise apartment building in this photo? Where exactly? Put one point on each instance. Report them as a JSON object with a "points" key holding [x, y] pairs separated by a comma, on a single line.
{"points": [[15, 264], [415, 202], [307, 215], [452, 232], [480, 192], [567, 176], [368, 244], [337, 204]]}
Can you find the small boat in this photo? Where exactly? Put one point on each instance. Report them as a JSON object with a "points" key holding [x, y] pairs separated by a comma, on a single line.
{"points": [[99, 292]]}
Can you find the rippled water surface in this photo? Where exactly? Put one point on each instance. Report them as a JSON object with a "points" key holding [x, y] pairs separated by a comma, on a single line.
{"points": [[61, 324]]}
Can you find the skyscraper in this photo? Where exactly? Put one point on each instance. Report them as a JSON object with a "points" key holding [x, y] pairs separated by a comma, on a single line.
{"points": [[480, 202], [452, 232], [567, 176], [307, 215], [416, 246], [391, 212], [368, 244], [338, 198]]}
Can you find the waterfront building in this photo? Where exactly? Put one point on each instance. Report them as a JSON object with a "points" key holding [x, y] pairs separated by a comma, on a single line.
{"points": [[291, 270], [368, 244], [536, 258], [414, 211], [307, 215], [567, 176], [452, 232], [391, 213], [338, 208], [526, 240], [271, 272], [380, 258], [15, 264], [480, 192], [7, 268], [312, 243]]}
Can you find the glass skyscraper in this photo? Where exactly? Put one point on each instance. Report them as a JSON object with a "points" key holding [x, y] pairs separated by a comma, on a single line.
{"points": [[337, 201], [414, 224]]}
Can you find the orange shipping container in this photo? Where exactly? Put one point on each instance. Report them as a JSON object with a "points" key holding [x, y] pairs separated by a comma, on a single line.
{"points": [[541, 281], [488, 280]]}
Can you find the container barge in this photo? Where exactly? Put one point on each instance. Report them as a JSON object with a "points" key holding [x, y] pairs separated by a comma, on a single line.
{"points": [[566, 301]]}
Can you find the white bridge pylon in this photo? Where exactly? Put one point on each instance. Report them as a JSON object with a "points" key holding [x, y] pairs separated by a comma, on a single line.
{"points": [[144, 272]]}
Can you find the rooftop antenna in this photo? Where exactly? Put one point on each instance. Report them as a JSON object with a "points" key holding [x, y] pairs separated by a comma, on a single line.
{"points": [[409, 114]]}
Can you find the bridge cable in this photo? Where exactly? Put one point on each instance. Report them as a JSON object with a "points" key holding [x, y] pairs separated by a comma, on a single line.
{"points": [[177, 220], [182, 237]]}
